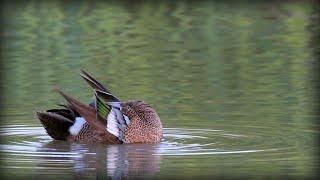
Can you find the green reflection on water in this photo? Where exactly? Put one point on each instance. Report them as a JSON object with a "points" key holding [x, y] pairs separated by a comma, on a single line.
{"points": [[244, 68]]}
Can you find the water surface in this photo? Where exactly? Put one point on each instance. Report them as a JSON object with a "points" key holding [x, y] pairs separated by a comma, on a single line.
{"points": [[232, 83]]}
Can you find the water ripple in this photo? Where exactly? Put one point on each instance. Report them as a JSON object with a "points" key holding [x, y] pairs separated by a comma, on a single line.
{"points": [[31, 148], [176, 141]]}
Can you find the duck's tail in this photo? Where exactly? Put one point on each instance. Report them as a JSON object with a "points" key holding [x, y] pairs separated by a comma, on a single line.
{"points": [[57, 122]]}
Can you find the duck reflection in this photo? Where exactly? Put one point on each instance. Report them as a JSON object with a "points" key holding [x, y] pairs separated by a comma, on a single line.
{"points": [[101, 161]]}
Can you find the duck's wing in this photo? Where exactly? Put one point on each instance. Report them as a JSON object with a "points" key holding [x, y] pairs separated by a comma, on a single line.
{"points": [[108, 97], [106, 101], [92, 118], [92, 81], [95, 84], [85, 111], [109, 107], [102, 109]]}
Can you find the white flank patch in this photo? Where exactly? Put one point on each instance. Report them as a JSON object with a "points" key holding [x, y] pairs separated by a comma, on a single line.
{"points": [[112, 125], [77, 126]]}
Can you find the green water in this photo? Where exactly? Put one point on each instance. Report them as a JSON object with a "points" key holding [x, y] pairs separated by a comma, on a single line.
{"points": [[232, 82]]}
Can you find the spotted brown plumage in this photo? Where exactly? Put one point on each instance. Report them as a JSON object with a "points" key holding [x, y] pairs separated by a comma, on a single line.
{"points": [[105, 120], [145, 127]]}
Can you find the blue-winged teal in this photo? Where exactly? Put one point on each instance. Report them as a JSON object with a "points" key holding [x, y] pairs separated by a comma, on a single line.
{"points": [[105, 120]]}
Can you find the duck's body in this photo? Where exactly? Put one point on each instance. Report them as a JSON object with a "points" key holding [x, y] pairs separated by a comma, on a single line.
{"points": [[105, 120]]}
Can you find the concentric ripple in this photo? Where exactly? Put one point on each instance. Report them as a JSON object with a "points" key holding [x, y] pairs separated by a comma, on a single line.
{"points": [[31, 148], [30, 141]]}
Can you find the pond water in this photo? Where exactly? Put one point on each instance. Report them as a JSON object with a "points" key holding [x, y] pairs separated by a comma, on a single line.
{"points": [[232, 83]]}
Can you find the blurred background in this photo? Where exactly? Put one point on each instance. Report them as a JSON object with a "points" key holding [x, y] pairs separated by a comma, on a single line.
{"points": [[234, 85]]}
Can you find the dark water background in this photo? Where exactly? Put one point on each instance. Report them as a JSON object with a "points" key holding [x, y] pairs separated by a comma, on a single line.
{"points": [[232, 82]]}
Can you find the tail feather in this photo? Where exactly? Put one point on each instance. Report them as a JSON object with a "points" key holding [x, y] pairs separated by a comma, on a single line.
{"points": [[69, 114], [72, 111], [56, 125]]}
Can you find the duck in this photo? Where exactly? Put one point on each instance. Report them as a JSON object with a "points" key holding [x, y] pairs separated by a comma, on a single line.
{"points": [[106, 119]]}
